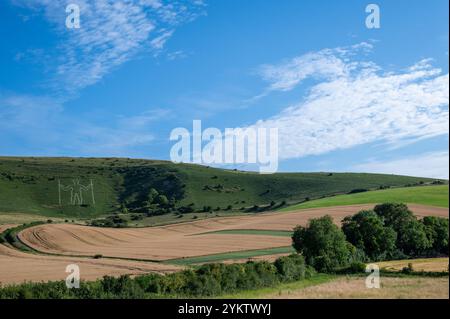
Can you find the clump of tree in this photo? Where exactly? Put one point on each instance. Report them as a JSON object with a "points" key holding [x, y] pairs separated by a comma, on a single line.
{"points": [[389, 231]]}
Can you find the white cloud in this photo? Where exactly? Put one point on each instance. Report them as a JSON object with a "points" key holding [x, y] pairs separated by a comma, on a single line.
{"points": [[326, 64], [356, 103], [433, 165], [111, 33]]}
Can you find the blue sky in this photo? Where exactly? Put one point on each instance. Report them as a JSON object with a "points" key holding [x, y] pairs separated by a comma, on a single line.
{"points": [[344, 97]]}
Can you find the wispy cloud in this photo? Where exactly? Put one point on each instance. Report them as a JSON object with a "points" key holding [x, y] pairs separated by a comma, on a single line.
{"points": [[433, 164], [356, 102], [112, 32], [326, 64], [36, 120]]}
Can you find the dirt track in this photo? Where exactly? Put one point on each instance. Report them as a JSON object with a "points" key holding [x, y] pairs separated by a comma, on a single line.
{"points": [[185, 239]]}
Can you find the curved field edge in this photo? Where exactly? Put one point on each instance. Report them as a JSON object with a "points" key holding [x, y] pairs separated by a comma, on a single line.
{"points": [[235, 255], [424, 195], [10, 235]]}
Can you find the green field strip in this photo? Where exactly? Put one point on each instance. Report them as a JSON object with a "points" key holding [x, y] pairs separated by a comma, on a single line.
{"points": [[230, 256], [264, 232], [423, 195]]}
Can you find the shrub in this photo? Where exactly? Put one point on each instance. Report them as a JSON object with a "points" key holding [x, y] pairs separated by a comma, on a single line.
{"points": [[357, 190], [291, 267]]}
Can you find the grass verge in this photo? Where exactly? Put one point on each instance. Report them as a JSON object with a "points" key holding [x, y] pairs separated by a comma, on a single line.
{"points": [[281, 288]]}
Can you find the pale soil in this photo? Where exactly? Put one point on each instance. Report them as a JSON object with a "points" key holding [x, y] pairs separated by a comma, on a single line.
{"points": [[425, 264], [355, 288], [150, 244], [17, 266], [185, 239], [153, 243]]}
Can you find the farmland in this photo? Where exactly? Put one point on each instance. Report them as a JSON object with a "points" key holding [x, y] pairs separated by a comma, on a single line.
{"points": [[162, 248], [431, 195], [354, 287], [186, 234], [37, 186], [17, 266]]}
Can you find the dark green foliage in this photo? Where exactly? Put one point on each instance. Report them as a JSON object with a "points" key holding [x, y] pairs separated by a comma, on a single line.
{"points": [[412, 238], [291, 268], [358, 190], [394, 214], [366, 231], [205, 281], [323, 244], [437, 231]]}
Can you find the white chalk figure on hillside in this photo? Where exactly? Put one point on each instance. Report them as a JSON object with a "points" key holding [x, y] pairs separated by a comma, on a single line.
{"points": [[76, 191]]}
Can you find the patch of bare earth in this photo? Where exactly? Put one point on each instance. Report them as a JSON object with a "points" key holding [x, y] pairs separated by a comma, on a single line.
{"points": [[354, 288]]}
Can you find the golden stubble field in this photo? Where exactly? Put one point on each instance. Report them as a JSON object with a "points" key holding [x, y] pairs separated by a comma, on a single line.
{"points": [[184, 239], [17, 266], [152, 243]]}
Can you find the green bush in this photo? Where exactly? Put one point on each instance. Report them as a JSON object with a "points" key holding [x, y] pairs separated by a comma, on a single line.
{"points": [[291, 267]]}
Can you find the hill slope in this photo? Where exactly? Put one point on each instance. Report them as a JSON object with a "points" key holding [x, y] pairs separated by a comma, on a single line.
{"points": [[48, 187], [430, 195]]}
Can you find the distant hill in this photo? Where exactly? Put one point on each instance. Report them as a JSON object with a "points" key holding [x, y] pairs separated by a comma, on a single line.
{"points": [[46, 186]]}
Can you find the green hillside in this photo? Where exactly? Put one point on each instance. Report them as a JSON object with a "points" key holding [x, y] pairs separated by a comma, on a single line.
{"points": [[149, 188], [430, 195]]}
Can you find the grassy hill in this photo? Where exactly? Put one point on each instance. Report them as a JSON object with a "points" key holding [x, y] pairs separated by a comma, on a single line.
{"points": [[30, 185], [430, 195]]}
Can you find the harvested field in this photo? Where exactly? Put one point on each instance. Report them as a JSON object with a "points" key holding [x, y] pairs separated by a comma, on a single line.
{"points": [[423, 264], [354, 287], [185, 239], [17, 267], [149, 244]]}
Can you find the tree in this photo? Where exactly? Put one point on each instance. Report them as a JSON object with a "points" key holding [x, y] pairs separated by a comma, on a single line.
{"points": [[394, 214], [322, 244], [152, 195], [162, 200], [366, 231], [437, 231], [412, 238]]}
